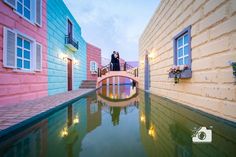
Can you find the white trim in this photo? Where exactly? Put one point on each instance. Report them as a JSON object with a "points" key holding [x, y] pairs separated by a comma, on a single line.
{"points": [[14, 7], [181, 47], [91, 65], [32, 52]]}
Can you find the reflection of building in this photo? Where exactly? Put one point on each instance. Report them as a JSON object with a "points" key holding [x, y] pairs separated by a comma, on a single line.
{"points": [[118, 92], [169, 129], [201, 36], [67, 129], [115, 115], [94, 116], [30, 142]]}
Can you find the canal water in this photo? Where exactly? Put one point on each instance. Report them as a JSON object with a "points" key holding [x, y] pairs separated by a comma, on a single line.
{"points": [[144, 125]]}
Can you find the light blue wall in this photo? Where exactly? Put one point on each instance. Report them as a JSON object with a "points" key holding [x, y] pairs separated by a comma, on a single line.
{"points": [[57, 15]]}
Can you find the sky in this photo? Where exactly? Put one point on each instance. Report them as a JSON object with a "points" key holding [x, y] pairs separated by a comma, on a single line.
{"points": [[113, 24]]}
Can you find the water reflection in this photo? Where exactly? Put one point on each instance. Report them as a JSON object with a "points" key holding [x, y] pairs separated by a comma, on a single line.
{"points": [[144, 126], [172, 126]]}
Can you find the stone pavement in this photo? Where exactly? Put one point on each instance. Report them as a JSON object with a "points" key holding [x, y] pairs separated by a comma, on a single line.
{"points": [[15, 114]]}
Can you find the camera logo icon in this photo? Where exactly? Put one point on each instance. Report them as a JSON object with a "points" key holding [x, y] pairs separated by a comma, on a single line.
{"points": [[202, 135]]}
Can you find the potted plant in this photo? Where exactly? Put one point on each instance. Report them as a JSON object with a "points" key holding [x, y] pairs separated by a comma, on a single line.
{"points": [[179, 71]]}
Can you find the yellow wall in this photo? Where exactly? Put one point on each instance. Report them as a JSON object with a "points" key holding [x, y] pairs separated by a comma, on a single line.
{"points": [[212, 86]]}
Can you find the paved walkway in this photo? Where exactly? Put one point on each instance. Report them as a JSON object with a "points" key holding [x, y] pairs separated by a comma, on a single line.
{"points": [[14, 114]]}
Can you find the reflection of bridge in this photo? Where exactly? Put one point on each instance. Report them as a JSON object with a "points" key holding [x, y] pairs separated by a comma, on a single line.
{"points": [[118, 102], [126, 71]]}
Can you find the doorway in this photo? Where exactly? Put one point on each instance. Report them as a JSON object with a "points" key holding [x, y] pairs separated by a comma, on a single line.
{"points": [[147, 74], [69, 73]]}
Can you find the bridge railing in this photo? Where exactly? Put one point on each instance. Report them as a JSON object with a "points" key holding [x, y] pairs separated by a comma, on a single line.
{"points": [[123, 67]]}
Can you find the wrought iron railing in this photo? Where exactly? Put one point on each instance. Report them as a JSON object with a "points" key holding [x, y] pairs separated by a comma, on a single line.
{"points": [[71, 41], [123, 67]]}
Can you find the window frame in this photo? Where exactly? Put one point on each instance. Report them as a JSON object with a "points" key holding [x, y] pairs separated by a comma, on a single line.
{"points": [[93, 63], [32, 52], [23, 58], [187, 30], [32, 11]]}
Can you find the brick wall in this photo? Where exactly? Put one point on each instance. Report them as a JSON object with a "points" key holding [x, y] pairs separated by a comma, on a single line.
{"points": [[58, 14], [93, 54], [213, 23], [18, 86]]}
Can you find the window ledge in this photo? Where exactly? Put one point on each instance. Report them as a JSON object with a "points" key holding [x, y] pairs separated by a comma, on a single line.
{"points": [[23, 71], [184, 74]]}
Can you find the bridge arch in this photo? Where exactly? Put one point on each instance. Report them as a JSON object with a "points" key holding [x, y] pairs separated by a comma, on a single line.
{"points": [[117, 74], [120, 103]]}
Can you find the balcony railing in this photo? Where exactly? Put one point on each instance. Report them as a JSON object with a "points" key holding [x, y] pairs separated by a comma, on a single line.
{"points": [[71, 43]]}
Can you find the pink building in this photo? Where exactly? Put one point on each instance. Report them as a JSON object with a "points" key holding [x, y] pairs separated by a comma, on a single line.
{"points": [[23, 50], [93, 61]]}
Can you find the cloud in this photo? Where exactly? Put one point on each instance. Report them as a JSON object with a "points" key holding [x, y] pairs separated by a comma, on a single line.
{"points": [[113, 25]]}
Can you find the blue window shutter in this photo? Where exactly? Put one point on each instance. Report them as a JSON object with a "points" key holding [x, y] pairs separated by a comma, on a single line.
{"points": [[9, 48], [11, 3]]}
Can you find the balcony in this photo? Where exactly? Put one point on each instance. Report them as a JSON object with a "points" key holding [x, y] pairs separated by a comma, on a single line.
{"points": [[71, 43]]}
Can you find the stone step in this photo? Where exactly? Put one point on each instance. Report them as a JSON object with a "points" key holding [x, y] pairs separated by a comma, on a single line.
{"points": [[88, 84]]}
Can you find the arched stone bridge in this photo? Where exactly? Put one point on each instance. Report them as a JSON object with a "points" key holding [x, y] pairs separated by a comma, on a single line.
{"points": [[127, 71]]}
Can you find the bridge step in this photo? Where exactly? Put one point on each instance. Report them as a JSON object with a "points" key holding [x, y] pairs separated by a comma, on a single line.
{"points": [[88, 84]]}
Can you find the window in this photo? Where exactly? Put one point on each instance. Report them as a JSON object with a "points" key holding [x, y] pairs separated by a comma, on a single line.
{"points": [[24, 51], [182, 53], [93, 108], [93, 66], [24, 8], [31, 10], [182, 48], [21, 52]]}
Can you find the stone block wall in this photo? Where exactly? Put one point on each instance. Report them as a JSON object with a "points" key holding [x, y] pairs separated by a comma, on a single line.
{"points": [[213, 24]]}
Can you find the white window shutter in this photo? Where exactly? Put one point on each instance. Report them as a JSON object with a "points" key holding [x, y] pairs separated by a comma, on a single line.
{"points": [[38, 57], [91, 65], [9, 48], [11, 3], [38, 12]]}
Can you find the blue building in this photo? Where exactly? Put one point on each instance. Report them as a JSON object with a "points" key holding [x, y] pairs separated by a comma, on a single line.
{"points": [[66, 49]]}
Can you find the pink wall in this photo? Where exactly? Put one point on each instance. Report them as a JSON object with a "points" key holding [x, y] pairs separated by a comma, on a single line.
{"points": [[93, 54], [15, 86]]}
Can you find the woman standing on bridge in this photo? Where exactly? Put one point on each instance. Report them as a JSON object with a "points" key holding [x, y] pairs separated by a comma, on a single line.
{"points": [[117, 61]]}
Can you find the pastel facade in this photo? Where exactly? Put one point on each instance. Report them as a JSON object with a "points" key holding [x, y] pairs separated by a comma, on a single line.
{"points": [[23, 51], [66, 49], [201, 35], [93, 61]]}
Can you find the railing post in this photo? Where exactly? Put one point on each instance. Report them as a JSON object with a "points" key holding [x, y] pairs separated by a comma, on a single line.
{"points": [[125, 66], [98, 72]]}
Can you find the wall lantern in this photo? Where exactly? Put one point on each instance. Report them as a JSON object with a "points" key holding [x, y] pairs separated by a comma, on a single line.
{"points": [[63, 57], [76, 62]]}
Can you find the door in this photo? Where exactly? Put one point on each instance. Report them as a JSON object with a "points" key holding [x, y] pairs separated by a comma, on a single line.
{"points": [[69, 71], [70, 29], [147, 74]]}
